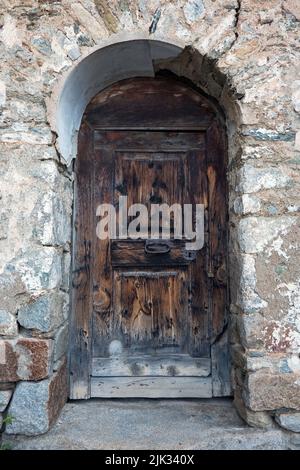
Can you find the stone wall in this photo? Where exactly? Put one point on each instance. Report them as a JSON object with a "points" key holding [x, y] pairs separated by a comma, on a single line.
{"points": [[244, 54]]}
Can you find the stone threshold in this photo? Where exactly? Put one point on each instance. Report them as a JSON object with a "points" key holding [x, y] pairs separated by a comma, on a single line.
{"points": [[153, 424]]}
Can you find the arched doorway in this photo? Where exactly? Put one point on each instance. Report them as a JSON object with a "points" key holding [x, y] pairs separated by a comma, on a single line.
{"points": [[149, 317]]}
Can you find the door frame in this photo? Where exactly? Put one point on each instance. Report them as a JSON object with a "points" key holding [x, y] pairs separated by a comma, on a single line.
{"points": [[81, 322]]}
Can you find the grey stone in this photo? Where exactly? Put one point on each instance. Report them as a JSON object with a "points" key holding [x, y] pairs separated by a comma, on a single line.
{"points": [[271, 391], [22, 132], [5, 396], [245, 278], [8, 324], [29, 408], [256, 233], [52, 220], [36, 405], [296, 98], [66, 264], [155, 424], [297, 141], [94, 73], [45, 313], [258, 419], [289, 421], [61, 342], [272, 210], [73, 52], [250, 329], [252, 179], [193, 9], [2, 93]]}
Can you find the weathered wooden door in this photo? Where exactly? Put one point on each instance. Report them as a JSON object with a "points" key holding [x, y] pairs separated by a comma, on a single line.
{"points": [[149, 315]]}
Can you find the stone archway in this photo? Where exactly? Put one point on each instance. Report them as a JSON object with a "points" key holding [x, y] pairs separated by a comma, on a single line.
{"points": [[264, 331]]}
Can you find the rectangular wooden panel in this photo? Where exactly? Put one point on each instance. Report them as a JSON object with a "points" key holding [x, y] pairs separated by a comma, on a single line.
{"points": [[147, 178], [155, 365], [151, 308], [151, 387], [149, 141], [142, 253]]}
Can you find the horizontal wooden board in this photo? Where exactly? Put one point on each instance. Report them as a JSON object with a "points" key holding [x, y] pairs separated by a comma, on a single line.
{"points": [[142, 253], [150, 142], [148, 365], [150, 102], [151, 387]]}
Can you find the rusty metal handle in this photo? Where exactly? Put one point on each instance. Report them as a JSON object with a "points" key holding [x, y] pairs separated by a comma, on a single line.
{"points": [[156, 247]]}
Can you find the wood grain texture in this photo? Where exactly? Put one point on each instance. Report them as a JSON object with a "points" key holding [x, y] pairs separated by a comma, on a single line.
{"points": [[155, 365], [155, 141], [151, 387], [146, 102]]}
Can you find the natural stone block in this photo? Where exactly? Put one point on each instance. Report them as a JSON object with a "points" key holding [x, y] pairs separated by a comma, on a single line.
{"points": [[267, 391], [66, 264], [8, 324], [297, 141], [25, 359], [45, 313], [250, 328], [21, 132], [61, 342], [289, 421], [5, 396], [38, 268], [293, 7], [2, 93], [36, 405], [296, 97], [252, 179], [260, 419], [193, 10], [256, 233], [247, 204]]}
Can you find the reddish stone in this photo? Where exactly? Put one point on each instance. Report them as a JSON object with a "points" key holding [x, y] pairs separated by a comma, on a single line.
{"points": [[25, 359], [36, 405], [273, 391]]}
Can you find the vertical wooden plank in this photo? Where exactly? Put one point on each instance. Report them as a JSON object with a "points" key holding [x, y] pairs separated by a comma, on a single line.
{"points": [[102, 271], [196, 192], [217, 220], [83, 238]]}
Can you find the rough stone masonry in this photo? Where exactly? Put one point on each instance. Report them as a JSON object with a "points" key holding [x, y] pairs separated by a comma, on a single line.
{"points": [[243, 53]]}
